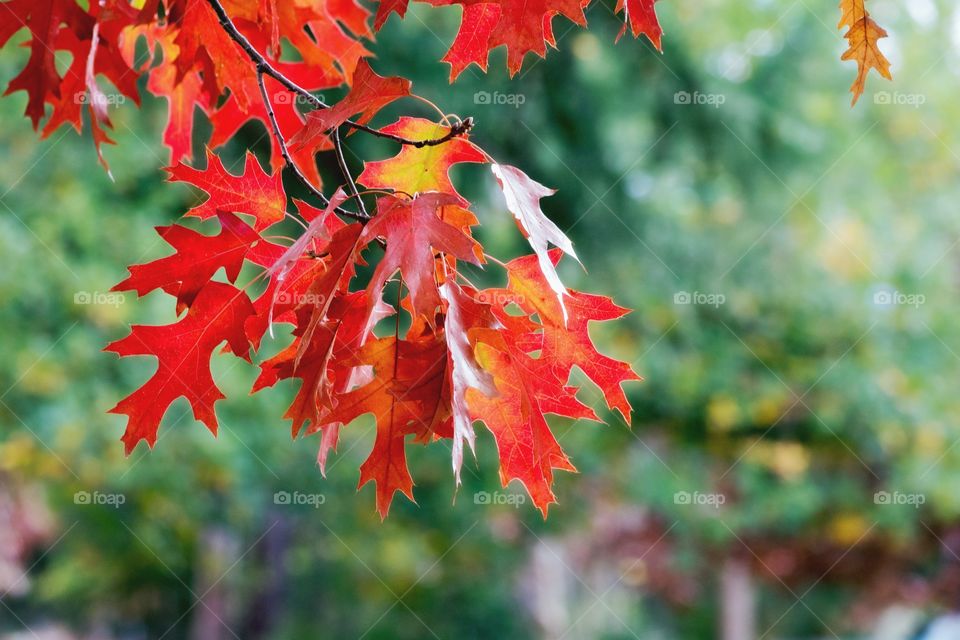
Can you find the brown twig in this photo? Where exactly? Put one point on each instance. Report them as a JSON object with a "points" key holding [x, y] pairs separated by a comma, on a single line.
{"points": [[345, 170], [284, 151]]}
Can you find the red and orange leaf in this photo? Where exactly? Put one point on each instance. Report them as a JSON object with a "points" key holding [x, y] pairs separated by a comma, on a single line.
{"points": [[206, 47], [254, 192], [404, 398], [528, 450], [526, 26], [863, 36], [386, 7], [425, 169], [369, 93], [566, 339], [183, 352], [414, 231], [472, 44], [523, 26]]}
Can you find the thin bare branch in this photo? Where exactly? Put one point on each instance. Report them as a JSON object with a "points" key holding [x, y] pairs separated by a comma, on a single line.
{"points": [[345, 170], [284, 151]]}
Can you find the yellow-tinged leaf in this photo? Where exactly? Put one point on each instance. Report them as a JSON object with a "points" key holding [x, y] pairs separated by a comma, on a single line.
{"points": [[862, 35], [418, 170]]}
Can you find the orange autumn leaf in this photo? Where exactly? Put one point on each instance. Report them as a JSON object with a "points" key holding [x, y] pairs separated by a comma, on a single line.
{"points": [[862, 36], [405, 397]]}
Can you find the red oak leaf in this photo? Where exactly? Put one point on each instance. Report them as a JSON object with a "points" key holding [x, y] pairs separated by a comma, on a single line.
{"points": [[641, 16], [528, 451], [369, 93], [196, 260], [530, 358], [523, 26], [254, 192], [386, 7], [472, 44], [206, 47], [43, 18], [414, 231], [565, 340], [403, 396], [416, 170], [183, 351]]}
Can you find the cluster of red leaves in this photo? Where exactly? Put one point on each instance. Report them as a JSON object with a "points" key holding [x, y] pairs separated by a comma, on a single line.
{"points": [[522, 26], [199, 63], [500, 356]]}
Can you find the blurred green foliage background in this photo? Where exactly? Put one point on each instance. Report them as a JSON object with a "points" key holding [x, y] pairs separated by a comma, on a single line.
{"points": [[793, 267]]}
